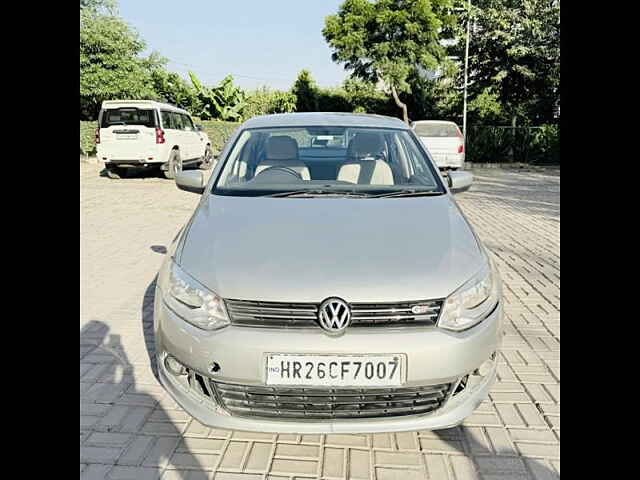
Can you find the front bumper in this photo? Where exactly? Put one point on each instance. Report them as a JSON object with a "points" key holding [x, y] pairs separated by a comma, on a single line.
{"points": [[433, 356]]}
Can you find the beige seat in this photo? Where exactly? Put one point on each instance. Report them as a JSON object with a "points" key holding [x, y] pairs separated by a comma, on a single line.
{"points": [[282, 151], [365, 165]]}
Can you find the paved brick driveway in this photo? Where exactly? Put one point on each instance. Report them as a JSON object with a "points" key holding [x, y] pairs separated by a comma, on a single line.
{"points": [[130, 428]]}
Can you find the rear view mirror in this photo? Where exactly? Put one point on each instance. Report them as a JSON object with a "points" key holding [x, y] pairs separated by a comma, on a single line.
{"points": [[191, 181], [460, 181]]}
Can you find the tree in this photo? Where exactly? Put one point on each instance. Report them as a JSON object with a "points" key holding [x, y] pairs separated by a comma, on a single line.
{"points": [[514, 57], [224, 102], [172, 88], [110, 67], [99, 6], [306, 92], [388, 40]]}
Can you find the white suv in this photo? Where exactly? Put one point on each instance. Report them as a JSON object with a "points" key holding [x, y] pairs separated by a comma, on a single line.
{"points": [[149, 134]]}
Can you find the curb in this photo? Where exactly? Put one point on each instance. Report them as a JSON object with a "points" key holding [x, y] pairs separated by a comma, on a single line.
{"points": [[510, 166]]}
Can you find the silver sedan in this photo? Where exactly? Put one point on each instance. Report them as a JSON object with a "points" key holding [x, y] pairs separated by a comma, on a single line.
{"points": [[327, 282]]}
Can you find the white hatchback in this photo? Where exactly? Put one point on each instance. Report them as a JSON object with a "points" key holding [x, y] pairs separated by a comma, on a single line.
{"points": [[149, 134], [444, 142]]}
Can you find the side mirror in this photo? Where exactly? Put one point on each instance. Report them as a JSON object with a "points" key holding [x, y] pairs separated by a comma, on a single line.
{"points": [[198, 128], [459, 181], [191, 181]]}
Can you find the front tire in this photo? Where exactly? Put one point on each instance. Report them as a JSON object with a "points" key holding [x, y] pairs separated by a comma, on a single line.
{"points": [[174, 165]]}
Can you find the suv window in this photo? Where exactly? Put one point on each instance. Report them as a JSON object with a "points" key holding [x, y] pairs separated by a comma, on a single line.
{"points": [[167, 120], [177, 121], [128, 116], [187, 123]]}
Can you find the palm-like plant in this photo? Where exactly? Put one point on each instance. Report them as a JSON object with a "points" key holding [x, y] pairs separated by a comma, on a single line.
{"points": [[224, 102]]}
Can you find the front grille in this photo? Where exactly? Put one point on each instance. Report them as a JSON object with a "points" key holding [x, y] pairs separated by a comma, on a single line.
{"points": [[304, 315], [329, 403]]}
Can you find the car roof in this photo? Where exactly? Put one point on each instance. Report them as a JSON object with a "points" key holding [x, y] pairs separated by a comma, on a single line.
{"points": [[141, 103], [417, 122], [322, 119]]}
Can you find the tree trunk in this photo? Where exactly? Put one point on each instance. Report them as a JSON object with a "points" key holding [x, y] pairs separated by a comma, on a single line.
{"points": [[405, 116]]}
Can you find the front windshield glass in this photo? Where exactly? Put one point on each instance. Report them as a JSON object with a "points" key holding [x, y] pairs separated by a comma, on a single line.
{"points": [[326, 160]]}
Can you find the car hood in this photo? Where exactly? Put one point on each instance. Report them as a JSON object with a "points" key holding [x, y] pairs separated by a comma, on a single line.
{"points": [[308, 249]]}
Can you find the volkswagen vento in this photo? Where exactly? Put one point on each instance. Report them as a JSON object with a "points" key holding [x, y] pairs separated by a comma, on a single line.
{"points": [[327, 282]]}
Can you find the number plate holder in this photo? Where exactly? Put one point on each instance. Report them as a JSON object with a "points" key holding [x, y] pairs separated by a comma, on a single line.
{"points": [[335, 370]]}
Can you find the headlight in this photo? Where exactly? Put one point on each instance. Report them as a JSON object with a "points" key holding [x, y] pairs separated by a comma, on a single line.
{"points": [[472, 302], [194, 302]]}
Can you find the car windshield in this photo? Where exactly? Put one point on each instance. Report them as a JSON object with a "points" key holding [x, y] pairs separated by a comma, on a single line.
{"points": [[436, 130], [314, 161], [128, 116]]}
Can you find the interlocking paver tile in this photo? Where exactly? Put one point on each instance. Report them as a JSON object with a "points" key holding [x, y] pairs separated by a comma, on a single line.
{"points": [[260, 456], [131, 428], [333, 463]]}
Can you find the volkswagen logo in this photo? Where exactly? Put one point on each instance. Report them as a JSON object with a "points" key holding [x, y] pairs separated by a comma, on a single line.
{"points": [[334, 315]]}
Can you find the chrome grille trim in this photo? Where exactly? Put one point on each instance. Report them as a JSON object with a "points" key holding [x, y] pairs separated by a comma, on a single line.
{"points": [[304, 315], [329, 403]]}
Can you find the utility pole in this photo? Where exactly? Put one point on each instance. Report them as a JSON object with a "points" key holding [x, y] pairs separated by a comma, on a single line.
{"points": [[466, 68]]}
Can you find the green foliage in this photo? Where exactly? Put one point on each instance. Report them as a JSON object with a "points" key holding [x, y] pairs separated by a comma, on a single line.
{"points": [[265, 101], [88, 138], [225, 102], [282, 102], [219, 132], [109, 64], [514, 58], [258, 102], [388, 40], [364, 97], [99, 6], [333, 99], [539, 145], [173, 89], [355, 95], [306, 92]]}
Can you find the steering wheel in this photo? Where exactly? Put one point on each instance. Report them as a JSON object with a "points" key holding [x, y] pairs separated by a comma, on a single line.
{"points": [[287, 170]]}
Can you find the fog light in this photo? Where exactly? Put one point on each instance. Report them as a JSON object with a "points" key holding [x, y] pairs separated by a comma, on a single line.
{"points": [[174, 366]]}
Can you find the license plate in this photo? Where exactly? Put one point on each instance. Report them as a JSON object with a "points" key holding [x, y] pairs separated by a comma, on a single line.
{"points": [[127, 136], [386, 370]]}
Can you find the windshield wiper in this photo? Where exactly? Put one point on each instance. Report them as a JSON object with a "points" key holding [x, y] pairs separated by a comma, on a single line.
{"points": [[408, 193], [313, 193]]}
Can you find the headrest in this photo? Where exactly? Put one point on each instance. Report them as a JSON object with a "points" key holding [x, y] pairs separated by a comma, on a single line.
{"points": [[366, 145], [282, 148]]}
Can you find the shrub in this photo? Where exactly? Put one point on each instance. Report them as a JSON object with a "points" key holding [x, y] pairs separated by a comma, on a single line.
{"points": [[265, 101], [306, 92], [218, 132], [88, 138], [538, 145]]}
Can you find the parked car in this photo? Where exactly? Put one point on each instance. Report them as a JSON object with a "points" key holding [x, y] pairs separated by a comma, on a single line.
{"points": [[334, 288], [149, 134], [444, 140]]}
